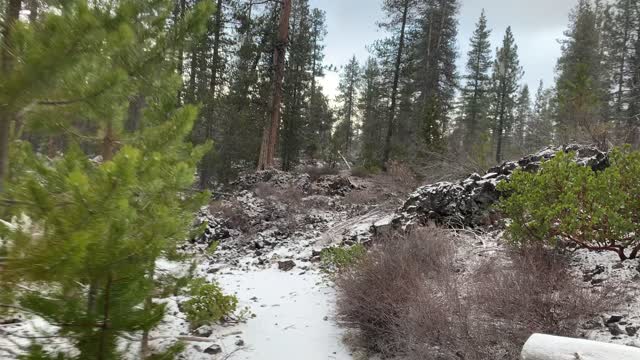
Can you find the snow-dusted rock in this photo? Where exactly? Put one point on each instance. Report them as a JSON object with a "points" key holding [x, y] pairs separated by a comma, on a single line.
{"points": [[468, 203], [544, 347]]}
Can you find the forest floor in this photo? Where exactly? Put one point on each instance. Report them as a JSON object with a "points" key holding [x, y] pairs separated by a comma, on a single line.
{"points": [[269, 231]]}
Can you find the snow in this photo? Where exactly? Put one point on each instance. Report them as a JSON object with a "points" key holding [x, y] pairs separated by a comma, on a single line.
{"points": [[544, 347], [293, 316]]}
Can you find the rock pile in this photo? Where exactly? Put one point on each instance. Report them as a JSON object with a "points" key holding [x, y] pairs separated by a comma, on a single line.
{"points": [[468, 203], [327, 185]]}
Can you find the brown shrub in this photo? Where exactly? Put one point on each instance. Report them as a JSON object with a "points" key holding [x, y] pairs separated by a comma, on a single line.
{"points": [[410, 297], [291, 196], [316, 173], [535, 292], [363, 172], [373, 296], [232, 213]]}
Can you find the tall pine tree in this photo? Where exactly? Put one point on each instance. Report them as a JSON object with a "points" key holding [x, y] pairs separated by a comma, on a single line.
{"points": [[349, 87], [581, 83], [507, 73], [478, 84], [435, 76]]}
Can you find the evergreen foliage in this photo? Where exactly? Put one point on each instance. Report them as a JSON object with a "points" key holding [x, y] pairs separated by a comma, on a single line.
{"points": [[592, 210], [207, 304], [581, 83], [436, 77], [507, 73], [478, 84], [85, 254], [349, 87]]}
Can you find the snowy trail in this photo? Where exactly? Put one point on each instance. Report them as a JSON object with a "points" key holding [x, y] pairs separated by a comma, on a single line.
{"points": [[294, 317]]}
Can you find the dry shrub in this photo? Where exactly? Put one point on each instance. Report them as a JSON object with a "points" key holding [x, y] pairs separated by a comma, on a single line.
{"points": [[315, 172], [275, 197], [291, 196], [535, 292], [367, 196], [265, 190], [402, 173], [232, 213], [409, 297], [373, 296], [363, 172]]}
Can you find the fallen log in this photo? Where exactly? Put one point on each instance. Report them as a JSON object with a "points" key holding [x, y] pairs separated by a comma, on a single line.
{"points": [[545, 347]]}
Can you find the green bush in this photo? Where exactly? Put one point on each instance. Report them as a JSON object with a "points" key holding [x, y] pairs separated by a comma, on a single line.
{"points": [[208, 304], [335, 259], [599, 211]]}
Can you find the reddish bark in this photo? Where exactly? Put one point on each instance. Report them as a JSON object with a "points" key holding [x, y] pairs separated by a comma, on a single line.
{"points": [[270, 135]]}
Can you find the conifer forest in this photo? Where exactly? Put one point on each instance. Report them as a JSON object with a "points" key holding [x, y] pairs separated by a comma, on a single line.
{"points": [[319, 179]]}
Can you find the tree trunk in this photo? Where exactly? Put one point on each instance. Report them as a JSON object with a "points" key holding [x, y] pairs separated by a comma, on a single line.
{"points": [[394, 89], [270, 135], [215, 63], [33, 10], [106, 320], [108, 143], [6, 67], [206, 168], [134, 116], [178, 16]]}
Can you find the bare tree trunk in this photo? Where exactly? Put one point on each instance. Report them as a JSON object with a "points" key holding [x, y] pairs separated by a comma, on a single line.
{"points": [[6, 67], [34, 7], [108, 143], [134, 116], [206, 168], [270, 135], [215, 63], [394, 90], [178, 15]]}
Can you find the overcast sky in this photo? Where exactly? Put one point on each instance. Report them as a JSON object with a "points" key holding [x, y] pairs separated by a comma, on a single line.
{"points": [[537, 26]]}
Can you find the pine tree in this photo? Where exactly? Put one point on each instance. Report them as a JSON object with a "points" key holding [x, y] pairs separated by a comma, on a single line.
{"points": [[401, 15], [298, 83], [633, 113], [348, 88], [505, 79], [581, 83], [319, 118], [242, 110], [436, 76], [620, 31], [271, 129], [371, 107], [540, 131], [522, 119], [86, 261], [478, 84]]}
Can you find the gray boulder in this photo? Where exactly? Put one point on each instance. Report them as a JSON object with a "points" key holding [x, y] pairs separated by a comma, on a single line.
{"points": [[469, 203]]}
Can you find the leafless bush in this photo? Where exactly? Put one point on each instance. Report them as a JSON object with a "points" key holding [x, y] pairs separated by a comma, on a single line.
{"points": [[363, 172], [316, 172], [284, 204], [232, 213], [290, 196], [409, 296], [367, 196], [535, 292], [373, 296], [265, 190]]}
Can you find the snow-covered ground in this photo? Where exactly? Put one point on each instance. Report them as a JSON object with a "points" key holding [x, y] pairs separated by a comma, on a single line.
{"points": [[293, 316]]}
